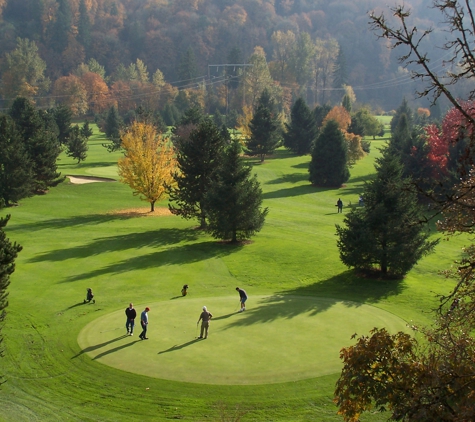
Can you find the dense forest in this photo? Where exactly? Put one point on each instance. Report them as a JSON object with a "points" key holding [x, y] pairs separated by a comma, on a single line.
{"points": [[90, 54]]}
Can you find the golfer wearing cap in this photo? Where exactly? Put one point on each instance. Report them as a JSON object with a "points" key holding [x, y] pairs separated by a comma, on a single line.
{"points": [[144, 323], [205, 317]]}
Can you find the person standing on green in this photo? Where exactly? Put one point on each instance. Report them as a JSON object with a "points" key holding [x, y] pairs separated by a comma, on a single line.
{"points": [[144, 323], [242, 298], [205, 318]]}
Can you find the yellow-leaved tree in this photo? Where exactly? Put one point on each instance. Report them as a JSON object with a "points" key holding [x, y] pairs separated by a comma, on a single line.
{"points": [[148, 163]]}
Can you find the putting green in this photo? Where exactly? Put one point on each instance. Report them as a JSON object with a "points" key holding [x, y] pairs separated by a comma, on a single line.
{"points": [[277, 339]]}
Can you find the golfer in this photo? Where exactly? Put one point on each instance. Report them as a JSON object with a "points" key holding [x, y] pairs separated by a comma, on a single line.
{"points": [[131, 314], [144, 323], [205, 318], [242, 298]]}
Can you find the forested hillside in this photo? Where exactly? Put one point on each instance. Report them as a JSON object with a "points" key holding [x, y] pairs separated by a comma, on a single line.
{"points": [[312, 48]]}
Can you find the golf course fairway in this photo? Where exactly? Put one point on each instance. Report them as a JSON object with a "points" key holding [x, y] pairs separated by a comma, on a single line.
{"points": [[279, 338]]}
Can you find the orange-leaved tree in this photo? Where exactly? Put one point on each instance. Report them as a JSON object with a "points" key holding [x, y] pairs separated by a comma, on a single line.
{"points": [[148, 163]]}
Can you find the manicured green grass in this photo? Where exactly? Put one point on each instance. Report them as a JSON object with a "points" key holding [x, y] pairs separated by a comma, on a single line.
{"points": [[72, 241]]}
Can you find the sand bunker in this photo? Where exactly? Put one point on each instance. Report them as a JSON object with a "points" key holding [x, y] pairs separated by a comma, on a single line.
{"points": [[79, 180]]}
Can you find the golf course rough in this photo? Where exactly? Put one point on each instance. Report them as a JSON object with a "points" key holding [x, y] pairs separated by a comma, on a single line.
{"points": [[279, 338]]}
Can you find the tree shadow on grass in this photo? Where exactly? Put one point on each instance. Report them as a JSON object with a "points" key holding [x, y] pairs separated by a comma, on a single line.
{"points": [[346, 288], [171, 256], [131, 241], [80, 220], [289, 178], [295, 191]]}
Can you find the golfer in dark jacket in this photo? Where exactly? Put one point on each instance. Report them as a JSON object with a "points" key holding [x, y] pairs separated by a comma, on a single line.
{"points": [[205, 318], [242, 298], [131, 315]]}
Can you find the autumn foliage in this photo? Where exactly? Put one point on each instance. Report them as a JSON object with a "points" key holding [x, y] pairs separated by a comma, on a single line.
{"points": [[148, 163]]}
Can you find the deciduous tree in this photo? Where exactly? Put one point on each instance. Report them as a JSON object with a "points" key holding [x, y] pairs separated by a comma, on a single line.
{"points": [[148, 164]]}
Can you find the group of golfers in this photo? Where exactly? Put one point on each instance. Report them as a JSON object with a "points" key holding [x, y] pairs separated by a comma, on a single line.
{"points": [[205, 317]]}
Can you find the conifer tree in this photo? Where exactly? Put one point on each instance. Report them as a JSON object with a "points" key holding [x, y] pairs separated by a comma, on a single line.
{"points": [[16, 175], [8, 253], [112, 128], [62, 115], [329, 163], [198, 157], [265, 127], [39, 134], [385, 235], [234, 199], [300, 134], [76, 144]]}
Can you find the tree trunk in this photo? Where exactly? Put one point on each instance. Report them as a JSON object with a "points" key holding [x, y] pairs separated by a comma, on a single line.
{"points": [[152, 206]]}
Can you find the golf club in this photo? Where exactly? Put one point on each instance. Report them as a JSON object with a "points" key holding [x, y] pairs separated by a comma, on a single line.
{"points": [[196, 336]]}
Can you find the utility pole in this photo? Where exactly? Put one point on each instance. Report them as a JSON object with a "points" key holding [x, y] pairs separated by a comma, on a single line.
{"points": [[227, 65]]}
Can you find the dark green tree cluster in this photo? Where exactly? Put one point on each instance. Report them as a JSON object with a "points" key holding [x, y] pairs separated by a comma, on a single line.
{"points": [[301, 132], [386, 235], [8, 253], [29, 149], [265, 127], [234, 199], [212, 183], [329, 164]]}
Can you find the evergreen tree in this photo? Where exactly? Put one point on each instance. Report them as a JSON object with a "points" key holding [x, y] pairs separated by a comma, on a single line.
{"points": [[198, 157], [329, 163], [301, 133], [61, 26], [77, 144], [265, 127], [346, 103], [112, 127], [16, 175], [187, 70], [170, 114], [8, 253], [62, 115], [86, 131], [84, 26], [402, 109], [234, 199], [319, 114], [39, 134], [386, 234]]}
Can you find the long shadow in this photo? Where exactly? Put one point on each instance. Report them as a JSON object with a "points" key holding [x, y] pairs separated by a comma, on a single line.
{"points": [[131, 241], [346, 288], [98, 346], [301, 165], [289, 178], [81, 220], [295, 191], [115, 349], [87, 165], [178, 346], [171, 256], [224, 316]]}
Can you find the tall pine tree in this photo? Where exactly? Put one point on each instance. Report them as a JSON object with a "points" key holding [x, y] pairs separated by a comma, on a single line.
{"points": [[198, 157], [329, 163], [265, 127], [300, 134], [234, 199], [8, 253], [386, 235]]}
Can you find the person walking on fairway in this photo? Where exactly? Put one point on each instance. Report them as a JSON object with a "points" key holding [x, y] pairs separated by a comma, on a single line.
{"points": [[144, 323], [131, 314], [205, 318], [339, 205], [242, 298]]}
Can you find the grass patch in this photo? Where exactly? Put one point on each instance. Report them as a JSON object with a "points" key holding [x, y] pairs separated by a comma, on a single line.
{"points": [[74, 238]]}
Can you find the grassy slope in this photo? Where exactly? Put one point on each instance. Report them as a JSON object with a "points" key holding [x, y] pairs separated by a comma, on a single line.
{"points": [[70, 243]]}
